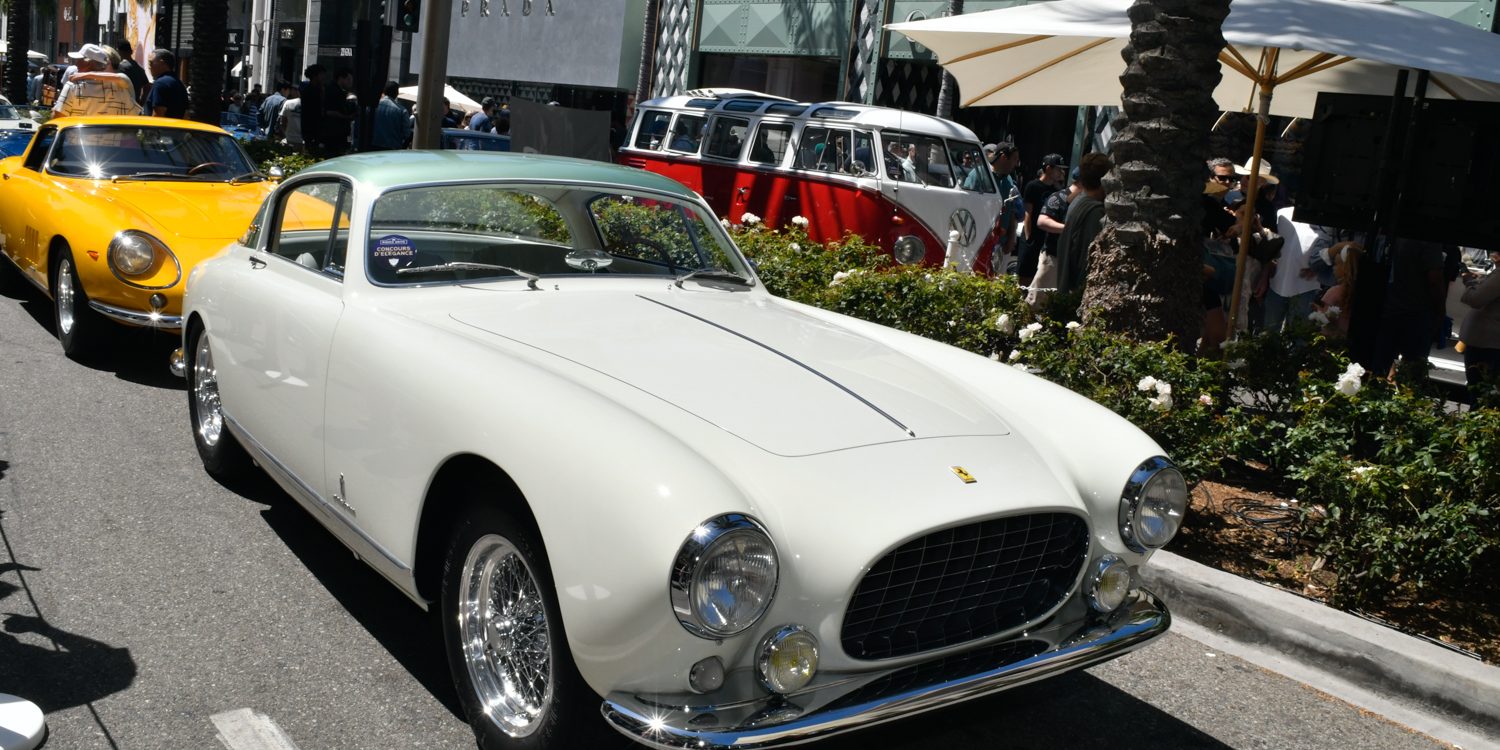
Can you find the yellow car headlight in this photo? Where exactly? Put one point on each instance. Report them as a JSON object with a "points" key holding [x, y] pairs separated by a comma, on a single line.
{"points": [[133, 253]]}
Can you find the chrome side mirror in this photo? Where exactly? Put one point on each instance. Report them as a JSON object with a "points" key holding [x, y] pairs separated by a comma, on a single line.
{"points": [[275, 174]]}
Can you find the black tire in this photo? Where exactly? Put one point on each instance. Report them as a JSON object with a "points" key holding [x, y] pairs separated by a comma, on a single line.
{"points": [[222, 455], [569, 716], [79, 328]]}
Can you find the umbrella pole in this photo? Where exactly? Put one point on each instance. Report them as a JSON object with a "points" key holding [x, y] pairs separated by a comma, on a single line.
{"points": [[1251, 192]]}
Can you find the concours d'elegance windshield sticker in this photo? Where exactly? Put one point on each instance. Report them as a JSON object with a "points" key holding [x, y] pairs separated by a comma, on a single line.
{"points": [[394, 249]]}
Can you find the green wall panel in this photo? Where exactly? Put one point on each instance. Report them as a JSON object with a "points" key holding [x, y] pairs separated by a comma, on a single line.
{"points": [[817, 28]]}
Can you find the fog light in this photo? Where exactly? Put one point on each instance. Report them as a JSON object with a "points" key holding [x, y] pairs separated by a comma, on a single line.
{"points": [[158, 301], [707, 676], [788, 659], [1110, 584]]}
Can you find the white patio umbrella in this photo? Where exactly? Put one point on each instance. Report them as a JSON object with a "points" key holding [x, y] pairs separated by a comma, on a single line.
{"points": [[455, 99], [1281, 52]]}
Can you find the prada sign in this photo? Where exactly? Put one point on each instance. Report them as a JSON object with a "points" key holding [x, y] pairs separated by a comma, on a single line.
{"points": [[526, 7]]}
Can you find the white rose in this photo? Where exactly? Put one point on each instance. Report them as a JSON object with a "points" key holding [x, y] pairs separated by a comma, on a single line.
{"points": [[749, 219], [1015, 355], [796, 248], [1206, 399], [800, 221], [1147, 383], [838, 278], [1347, 385], [1163, 388], [1004, 324], [1074, 325], [1318, 317]]}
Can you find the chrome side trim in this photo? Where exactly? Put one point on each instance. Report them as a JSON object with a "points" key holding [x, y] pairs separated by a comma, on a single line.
{"points": [[776, 722], [138, 318], [368, 548], [793, 360]]}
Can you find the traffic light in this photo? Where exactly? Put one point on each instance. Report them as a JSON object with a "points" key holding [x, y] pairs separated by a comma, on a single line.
{"points": [[408, 14]]}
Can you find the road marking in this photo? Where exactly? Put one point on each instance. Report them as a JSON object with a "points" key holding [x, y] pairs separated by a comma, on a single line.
{"points": [[244, 729]]}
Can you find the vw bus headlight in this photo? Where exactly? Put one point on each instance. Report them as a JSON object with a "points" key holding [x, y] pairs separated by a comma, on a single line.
{"points": [[133, 253], [724, 577], [909, 250], [1153, 504]]}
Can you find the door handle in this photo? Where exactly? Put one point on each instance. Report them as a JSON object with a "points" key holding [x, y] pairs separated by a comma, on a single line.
{"points": [[257, 262]]}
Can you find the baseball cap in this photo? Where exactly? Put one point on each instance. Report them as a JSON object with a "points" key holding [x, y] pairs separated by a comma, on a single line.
{"points": [[1054, 160], [90, 52], [989, 150], [1074, 175]]}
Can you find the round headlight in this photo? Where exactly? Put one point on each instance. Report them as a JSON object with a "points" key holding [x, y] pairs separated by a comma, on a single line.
{"points": [[724, 577], [1109, 585], [134, 253], [788, 659], [909, 249], [1153, 504]]}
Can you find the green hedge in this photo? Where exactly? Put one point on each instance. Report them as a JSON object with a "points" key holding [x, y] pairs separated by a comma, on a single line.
{"points": [[1395, 488]]}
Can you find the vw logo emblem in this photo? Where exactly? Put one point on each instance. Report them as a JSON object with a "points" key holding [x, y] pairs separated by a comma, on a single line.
{"points": [[963, 222]]}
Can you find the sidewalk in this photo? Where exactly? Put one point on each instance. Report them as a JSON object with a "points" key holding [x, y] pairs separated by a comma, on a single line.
{"points": [[1408, 680]]}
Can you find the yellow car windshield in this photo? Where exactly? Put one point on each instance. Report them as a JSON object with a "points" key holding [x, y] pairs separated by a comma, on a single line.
{"points": [[106, 151]]}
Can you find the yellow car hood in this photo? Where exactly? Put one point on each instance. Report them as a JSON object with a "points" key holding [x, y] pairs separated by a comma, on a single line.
{"points": [[192, 210]]}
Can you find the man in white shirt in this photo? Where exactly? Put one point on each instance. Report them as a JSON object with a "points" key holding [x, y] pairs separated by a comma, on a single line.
{"points": [[108, 94], [1294, 284]]}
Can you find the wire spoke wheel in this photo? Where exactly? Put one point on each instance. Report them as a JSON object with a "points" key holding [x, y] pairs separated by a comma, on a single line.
{"points": [[505, 636]]}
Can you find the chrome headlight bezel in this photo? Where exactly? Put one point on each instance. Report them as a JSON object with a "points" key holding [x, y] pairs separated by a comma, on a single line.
{"points": [[1137, 495], [1105, 567], [703, 544], [127, 261], [909, 249]]}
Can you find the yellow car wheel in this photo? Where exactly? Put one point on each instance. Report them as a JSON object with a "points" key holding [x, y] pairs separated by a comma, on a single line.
{"points": [[78, 326]]}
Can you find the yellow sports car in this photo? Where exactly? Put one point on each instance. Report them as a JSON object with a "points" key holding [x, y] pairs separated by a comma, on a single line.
{"points": [[108, 215]]}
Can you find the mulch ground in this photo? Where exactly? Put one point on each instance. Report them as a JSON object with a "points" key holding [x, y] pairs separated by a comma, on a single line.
{"points": [[1247, 529]]}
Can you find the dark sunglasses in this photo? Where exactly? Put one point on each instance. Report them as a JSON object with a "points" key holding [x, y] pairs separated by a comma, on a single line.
{"points": [[1227, 178]]}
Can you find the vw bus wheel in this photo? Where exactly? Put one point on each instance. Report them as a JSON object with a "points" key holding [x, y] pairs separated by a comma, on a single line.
{"points": [[222, 455], [504, 637]]}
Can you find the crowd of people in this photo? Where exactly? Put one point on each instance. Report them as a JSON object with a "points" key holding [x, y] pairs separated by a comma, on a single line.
{"points": [[105, 80]]}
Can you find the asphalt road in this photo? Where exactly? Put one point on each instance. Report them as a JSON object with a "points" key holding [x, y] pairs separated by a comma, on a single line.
{"points": [[139, 599]]}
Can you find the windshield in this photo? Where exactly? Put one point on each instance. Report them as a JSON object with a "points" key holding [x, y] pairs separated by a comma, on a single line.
{"points": [[9, 112], [446, 233], [105, 151]]}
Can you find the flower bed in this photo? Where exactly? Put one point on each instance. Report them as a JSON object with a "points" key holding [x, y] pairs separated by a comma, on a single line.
{"points": [[1396, 491]]}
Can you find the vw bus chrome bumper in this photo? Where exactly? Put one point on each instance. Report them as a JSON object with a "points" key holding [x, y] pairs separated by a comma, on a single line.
{"points": [[848, 702]]}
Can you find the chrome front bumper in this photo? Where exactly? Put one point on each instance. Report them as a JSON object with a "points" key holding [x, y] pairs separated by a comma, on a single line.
{"points": [[138, 318], [859, 701]]}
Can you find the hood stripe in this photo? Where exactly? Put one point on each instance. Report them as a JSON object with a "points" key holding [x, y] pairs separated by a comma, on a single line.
{"points": [[788, 358]]}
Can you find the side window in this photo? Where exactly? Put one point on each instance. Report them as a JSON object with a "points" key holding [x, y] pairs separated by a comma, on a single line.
{"points": [[687, 134], [834, 150], [313, 226], [39, 147], [771, 142], [653, 129], [728, 137]]}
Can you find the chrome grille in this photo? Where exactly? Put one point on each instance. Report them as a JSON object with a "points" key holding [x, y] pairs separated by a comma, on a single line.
{"points": [[964, 583]]}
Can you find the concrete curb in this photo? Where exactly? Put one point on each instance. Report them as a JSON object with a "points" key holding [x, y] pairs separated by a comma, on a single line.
{"points": [[1383, 661]]}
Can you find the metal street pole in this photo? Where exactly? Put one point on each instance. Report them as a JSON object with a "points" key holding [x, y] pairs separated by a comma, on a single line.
{"points": [[434, 73]]}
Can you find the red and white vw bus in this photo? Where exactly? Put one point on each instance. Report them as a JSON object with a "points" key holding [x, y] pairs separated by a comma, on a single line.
{"points": [[914, 184]]}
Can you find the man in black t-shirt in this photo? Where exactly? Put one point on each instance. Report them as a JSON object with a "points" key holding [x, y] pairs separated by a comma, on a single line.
{"points": [[1034, 196], [311, 95], [132, 70]]}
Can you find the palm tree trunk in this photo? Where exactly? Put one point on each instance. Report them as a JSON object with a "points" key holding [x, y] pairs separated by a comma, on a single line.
{"points": [[1145, 269], [18, 42], [210, 36], [648, 53], [949, 89]]}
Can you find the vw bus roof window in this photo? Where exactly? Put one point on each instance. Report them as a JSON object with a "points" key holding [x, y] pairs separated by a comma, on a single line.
{"points": [[687, 134], [743, 105], [771, 142], [834, 113], [652, 131], [835, 150], [702, 103], [790, 110], [727, 138]]}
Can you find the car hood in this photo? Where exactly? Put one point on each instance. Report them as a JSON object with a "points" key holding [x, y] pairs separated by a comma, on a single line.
{"points": [[192, 210], [755, 367]]}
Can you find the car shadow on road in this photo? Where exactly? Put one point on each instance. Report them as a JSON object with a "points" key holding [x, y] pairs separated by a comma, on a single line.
{"points": [[1075, 709], [135, 355], [412, 636]]}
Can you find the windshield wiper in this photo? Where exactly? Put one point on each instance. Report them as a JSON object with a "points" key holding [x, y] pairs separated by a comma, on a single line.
{"points": [[246, 177], [463, 265], [146, 176], [715, 274]]}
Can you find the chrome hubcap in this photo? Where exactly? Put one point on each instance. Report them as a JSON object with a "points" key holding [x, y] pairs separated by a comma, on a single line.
{"points": [[507, 647], [65, 296], [206, 394]]}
